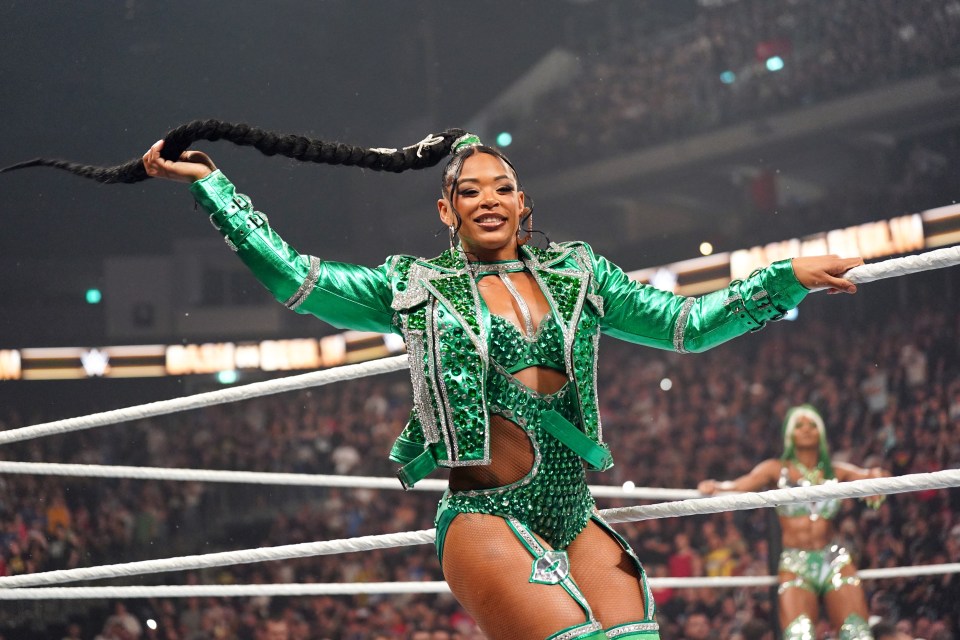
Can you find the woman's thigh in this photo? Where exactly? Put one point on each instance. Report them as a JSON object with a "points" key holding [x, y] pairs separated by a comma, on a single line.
{"points": [[607, 576], [848, 599], [489, 570], [796, 601]]}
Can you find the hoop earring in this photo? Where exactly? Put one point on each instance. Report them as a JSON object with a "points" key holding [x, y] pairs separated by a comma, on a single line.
{"points": [[522, 240], [453, 234]]}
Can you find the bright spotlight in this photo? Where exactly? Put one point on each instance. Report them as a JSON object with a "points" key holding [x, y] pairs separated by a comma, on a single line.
{"points": [[227, 377], [728, 77], [774, 63], [629, 485], [706, 248], [151, 624], [504, 139], [666, 384]]}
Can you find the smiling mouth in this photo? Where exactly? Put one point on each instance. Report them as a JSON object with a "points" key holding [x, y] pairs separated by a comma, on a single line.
{"points": [[489, 221]]}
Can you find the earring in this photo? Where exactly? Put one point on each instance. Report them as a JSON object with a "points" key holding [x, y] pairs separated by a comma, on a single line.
{"points": [[453, 234], [522, 240]]}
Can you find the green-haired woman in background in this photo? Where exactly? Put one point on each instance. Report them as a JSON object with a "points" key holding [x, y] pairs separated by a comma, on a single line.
{"points": [[812, 564]]}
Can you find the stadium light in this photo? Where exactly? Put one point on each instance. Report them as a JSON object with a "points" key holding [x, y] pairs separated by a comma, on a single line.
{"points": [[774, 63]]}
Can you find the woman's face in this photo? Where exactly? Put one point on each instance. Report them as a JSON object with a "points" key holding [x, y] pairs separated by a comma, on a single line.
{"points": [[805, 433], [490, 206]]}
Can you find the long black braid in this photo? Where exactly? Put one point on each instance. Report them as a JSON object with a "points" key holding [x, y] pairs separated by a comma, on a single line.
{"points": [[418, 156]]}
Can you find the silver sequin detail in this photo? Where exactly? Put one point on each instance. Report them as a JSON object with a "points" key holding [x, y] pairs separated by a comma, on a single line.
{"points": [[633, 628], [440, 390], [759, 295], [597, 302], [306, 287], [497, 268], [415, 293], [578, 632], [680, 329], [421, 392], [734, 298], [596, 354], [230, 244], [521, 304]]}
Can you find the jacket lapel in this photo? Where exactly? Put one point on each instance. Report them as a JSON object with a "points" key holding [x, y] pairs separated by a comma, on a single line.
{"points": [[564, 289]]}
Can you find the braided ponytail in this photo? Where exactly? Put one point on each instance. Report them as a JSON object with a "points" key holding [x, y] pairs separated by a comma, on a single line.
{"points": [[426, 153]]}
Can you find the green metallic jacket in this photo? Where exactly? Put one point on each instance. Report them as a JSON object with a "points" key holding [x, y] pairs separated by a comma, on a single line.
{"points": [[436, 306]]}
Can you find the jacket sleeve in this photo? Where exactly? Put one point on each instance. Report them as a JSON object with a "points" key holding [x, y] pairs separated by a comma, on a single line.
{"points": [[646, 315], [347, 296]]}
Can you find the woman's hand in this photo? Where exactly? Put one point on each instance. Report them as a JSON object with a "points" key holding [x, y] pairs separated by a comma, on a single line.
{"points": [[821, 272], [707, 487], [192, 165]]}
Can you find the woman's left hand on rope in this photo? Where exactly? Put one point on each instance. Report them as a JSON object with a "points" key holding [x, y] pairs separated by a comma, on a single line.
{"points": [[824, 272]]}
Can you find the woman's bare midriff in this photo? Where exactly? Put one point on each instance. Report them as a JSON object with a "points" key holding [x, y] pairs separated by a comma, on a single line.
{"points": [[803, 533]]}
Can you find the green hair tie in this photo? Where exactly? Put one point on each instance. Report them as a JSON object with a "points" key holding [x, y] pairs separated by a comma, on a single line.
{"points": [[464, 141]]}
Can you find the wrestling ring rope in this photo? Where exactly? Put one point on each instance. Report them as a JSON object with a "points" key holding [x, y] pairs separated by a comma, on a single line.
{"points": [[24, 587]]}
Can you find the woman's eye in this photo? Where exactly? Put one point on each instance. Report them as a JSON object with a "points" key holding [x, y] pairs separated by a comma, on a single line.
{"points": [[467, 193], [505, 189]]}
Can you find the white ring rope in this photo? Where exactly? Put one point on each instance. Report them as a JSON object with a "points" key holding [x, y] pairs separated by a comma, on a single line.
{"points": [[370, 588], [293, 479], [937, 259], [738, 502], [243, 392], [853, 489]]}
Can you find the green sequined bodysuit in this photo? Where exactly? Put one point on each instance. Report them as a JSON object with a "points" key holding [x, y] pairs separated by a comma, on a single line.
{"points": [[553, 498]]}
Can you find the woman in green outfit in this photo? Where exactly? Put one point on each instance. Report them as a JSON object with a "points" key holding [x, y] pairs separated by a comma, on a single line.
{"points": [[812, 564], [502, 341]]}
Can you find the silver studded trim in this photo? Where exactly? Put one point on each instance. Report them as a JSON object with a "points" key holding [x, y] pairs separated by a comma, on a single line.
{"points": [[597, 302], [415, 293], [596, 397], [632, 628], [306, 287], [421, 392], [439, 388], [522, 482], [562, 253], [759, 295], [479, 341], [680, 328], [498, 268], [578, 632], [521, 304], [528, 538], [732, 299], [230, 244], [569, 332]]}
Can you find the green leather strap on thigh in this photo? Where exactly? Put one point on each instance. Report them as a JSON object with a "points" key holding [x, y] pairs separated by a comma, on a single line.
{"points": [[444, 518], [643, 630], [855, 628], [644, 583]]}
